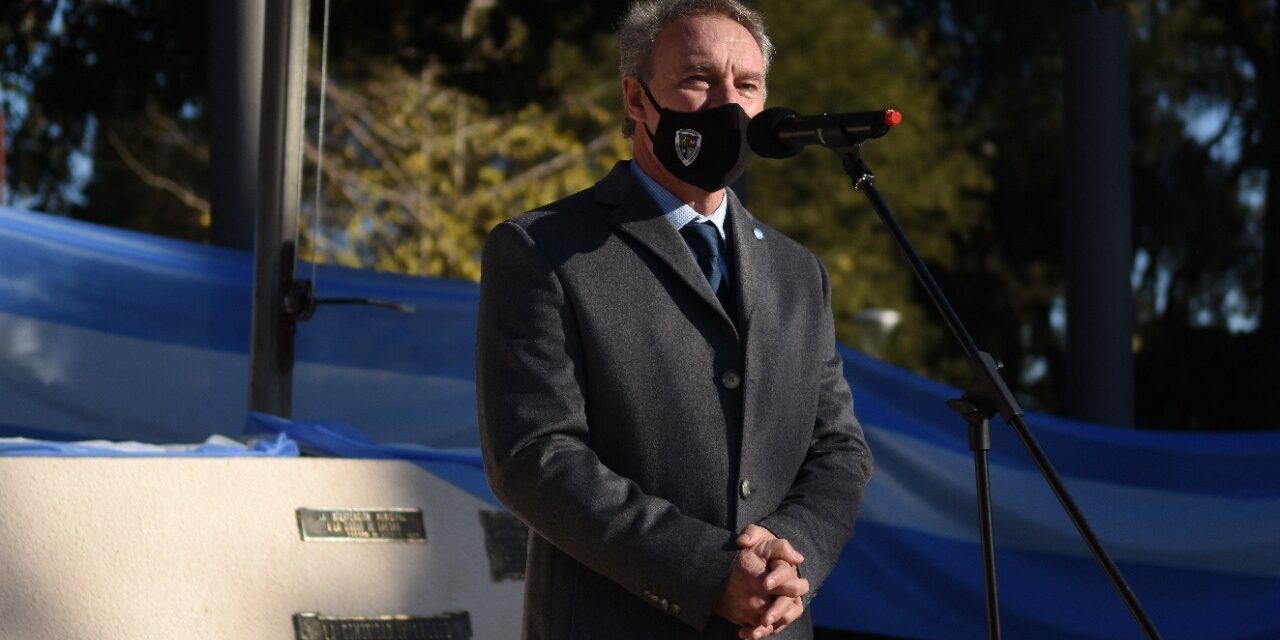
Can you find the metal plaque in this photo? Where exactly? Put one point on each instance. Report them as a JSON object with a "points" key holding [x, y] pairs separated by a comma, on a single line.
{"points": [[506, 540], [447, 626], [361, 525]]}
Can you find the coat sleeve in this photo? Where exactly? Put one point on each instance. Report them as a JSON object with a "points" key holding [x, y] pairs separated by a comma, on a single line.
{"points": [[534, 435], [818, 512]]}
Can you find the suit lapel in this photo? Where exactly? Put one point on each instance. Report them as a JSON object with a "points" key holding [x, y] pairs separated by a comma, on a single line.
{"points": [[750, 257], [635, 214]]}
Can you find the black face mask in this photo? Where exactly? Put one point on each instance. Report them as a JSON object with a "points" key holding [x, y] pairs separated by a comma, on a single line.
{"points": [[707, 149]]}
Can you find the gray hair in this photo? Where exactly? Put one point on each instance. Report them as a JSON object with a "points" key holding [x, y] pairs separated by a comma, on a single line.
{"points": [[646, 18]]}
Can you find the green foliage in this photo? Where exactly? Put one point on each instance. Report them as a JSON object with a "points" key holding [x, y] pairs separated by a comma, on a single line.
{"points": [[424, 156], [837, 56], [416, 173]]}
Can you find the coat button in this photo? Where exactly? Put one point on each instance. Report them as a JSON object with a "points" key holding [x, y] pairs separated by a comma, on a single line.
{"points": [[731, 379], [675, 609], [744, 489]]}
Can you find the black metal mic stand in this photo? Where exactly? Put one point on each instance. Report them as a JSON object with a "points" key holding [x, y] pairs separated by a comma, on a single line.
{"points": [[986, 396]]}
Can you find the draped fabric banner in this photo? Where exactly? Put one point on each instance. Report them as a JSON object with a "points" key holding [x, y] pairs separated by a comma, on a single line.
{"points": [[108, 334], [125, 336]]}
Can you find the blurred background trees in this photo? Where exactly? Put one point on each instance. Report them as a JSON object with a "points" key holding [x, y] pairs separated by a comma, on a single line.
{"points": [[444, 117], [1205, 176]]}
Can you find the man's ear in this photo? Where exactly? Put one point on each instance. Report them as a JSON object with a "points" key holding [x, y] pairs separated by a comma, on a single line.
{"points": [[634, 100]]}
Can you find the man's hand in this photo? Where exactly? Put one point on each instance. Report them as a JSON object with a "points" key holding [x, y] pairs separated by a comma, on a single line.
{"points": [[763, 592], [782, 582]]}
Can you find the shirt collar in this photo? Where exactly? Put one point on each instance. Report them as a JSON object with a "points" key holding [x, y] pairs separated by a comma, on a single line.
{"points": [[673, 209]]}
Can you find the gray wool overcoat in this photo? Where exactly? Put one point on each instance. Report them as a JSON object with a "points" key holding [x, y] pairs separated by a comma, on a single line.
{"points": [[637, 428]]}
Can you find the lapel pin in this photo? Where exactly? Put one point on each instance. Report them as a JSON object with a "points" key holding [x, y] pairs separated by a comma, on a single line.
{"points": [[759, 234]]}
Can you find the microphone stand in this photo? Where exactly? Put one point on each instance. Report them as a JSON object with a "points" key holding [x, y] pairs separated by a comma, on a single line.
{"points": [[986, 396]]}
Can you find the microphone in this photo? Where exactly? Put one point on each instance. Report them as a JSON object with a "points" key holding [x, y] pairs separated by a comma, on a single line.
{"points": [[779, 132]]}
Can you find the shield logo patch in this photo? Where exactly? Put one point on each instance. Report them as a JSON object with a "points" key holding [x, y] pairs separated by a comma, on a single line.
{"points": [[688, 144]]}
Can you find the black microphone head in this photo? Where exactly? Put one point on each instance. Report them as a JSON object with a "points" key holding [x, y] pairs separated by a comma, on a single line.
{"points": [[762, 134]]}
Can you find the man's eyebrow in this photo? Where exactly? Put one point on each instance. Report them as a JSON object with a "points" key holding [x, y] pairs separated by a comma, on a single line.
{"points": [[696, 67], [703, 67]]}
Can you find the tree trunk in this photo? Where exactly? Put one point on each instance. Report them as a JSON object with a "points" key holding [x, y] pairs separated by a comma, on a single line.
{"points": [[1267, 67], [1270, 328]]}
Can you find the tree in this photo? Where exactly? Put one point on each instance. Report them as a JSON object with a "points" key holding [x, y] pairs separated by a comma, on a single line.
{"points": [[108, 98], [427, 150], [1215, 65], [1198, 251], [836, 56], [416, 173]]}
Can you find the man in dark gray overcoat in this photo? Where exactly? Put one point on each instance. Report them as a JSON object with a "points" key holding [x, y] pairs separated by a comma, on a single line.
{"points": [[660, 397]]}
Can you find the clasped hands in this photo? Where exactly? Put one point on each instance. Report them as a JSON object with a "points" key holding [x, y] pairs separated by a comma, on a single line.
{"points": [[763, 594]]}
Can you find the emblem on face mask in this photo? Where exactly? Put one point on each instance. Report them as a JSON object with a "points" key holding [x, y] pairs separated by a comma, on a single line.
{"points": [[688, 144]]}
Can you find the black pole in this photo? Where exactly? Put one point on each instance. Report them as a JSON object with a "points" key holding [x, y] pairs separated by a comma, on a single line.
{"points": [[235, 113], [987, 396], [980, 444], [283, 93], [1097, 218]]}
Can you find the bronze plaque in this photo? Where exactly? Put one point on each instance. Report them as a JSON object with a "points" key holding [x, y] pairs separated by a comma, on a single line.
{"points": [[506, 541], [361, 525], [448, 626]]}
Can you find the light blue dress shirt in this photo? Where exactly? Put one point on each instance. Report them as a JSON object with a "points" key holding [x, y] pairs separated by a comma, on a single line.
{"points": [[676, 212], [679, 214]]}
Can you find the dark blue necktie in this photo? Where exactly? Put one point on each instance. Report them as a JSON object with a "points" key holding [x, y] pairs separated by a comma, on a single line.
{"points": [[708, 248]]}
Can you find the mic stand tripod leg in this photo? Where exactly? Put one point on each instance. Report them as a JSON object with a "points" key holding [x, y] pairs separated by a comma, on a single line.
{"points": [[980, 443]]}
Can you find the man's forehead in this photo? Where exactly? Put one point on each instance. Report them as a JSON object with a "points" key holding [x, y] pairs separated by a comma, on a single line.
{"points": [[705, 43]]}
